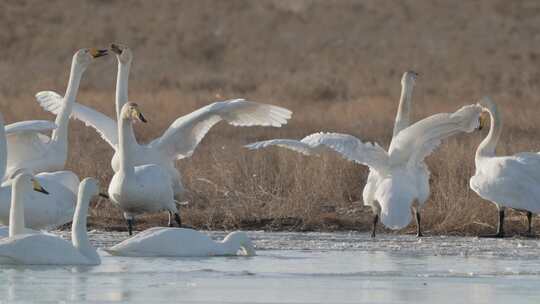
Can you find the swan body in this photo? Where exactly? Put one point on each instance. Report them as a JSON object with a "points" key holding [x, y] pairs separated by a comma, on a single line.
{"points": [[138, 189], [507, 181], [181, 138], [181, 242], [48, 249], [42, 211], [39, 152], [399, 178]]}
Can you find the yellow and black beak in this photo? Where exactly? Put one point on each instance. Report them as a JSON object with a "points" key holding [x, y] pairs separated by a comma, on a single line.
{"points": [[37, 187], [96, 53], [482, 120], [115, 48], [138, 115]]}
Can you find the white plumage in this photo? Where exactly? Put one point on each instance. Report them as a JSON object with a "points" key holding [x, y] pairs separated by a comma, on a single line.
{"points": [[507, 181], [181, 242]]}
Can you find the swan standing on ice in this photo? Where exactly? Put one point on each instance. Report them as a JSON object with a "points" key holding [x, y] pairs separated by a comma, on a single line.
{"points": [[181, 242], [399, 178], [180, 139], [38, 152], [507, 181], [42, 211], [44, 248]]}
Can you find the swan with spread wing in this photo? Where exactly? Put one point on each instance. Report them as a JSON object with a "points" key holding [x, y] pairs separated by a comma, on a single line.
{"points": [[399, 177], [507, 181], [38, 152], [180, 139]]}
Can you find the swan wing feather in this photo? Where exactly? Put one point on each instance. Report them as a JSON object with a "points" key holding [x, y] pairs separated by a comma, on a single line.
{"points": [[185, 133]]}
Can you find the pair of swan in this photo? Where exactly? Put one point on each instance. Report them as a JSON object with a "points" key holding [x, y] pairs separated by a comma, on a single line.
{"points": [[43, 211], [507, 181], [24, 246], [399, 178], [177, 142]]}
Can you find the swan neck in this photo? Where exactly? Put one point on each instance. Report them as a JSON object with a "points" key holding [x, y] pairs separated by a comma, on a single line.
{"points": [[488, 145], [16, 212], [62, 119], [79, 235], [402, 120], [122, 86], [127, 141]]}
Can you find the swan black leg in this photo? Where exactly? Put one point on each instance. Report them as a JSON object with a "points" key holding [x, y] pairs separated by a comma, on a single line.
{"points": [[178, 219], [500, 226], [418, 226], [130, 226], [529, 220], [374, 228], [170, 219]]}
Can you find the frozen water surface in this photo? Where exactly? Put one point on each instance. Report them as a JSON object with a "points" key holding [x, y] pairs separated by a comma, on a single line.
{"points": [[300, 268]]}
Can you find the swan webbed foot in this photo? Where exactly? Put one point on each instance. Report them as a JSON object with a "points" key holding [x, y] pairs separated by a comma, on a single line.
{"points": [[496, 235], [374, 227]]}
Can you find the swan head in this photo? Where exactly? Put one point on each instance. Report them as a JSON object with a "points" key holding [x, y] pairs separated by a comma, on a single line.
{"points": [[122, 52], [130, 111], [409, 78], [26, 180], [239, 240], [89, 187], [84, 57], [488, 106]]}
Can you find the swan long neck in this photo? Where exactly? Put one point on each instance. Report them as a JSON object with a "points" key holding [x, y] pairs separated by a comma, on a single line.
{"points": [[79, 235], [402, 120], [126, 140], [488, 145], [16, 212], [122, 86], [60, 134]]}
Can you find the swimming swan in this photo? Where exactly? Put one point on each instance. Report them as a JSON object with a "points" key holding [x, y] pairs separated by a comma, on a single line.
{"points": [[42, 211], [399, 178], [44, 248], [38, 152], [181, 242], [181, 138], [507, 181]]}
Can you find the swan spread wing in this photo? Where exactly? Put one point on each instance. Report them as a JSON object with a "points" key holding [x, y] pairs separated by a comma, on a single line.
{"points": [[418, 141], [351, 148], [291, 144], [103, 124], [186, 132]]}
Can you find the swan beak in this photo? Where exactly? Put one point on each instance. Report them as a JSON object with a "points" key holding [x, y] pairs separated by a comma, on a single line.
{"points": [[98, 53], [115, 48], [482, 121], [104, 195], [140, 116], [37, 187]]}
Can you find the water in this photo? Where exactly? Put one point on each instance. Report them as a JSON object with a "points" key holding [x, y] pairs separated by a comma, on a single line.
{"points": [[299, 268]]}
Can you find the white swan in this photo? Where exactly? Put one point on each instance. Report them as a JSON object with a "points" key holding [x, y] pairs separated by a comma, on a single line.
{"points": [[399, 178], [42, 211], [181, 242], [507, 181], [38, 152], [48, 249], [181, 138]]}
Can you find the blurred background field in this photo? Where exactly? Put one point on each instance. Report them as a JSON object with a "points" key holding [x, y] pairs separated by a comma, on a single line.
{"points": [[336, 64]]}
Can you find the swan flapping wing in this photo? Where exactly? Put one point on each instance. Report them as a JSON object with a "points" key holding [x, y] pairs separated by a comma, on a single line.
{"points": [[185, 133], [419, 140], [348, 146], [30, 126], [351, 148], [296, 145], [103, 124], [25, 140]]}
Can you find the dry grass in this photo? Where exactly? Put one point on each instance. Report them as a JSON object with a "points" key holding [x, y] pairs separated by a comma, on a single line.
{"points": [[336, 64]]}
